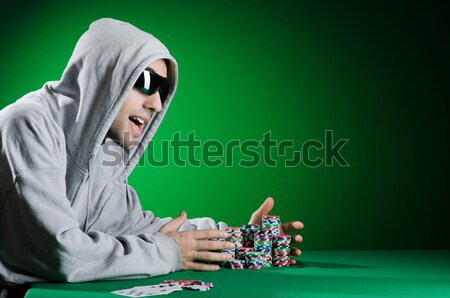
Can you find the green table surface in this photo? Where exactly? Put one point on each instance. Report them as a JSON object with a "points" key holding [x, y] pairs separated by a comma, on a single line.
{"points": [[317, 274]]}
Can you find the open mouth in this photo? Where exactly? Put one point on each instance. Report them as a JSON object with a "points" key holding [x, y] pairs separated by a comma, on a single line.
{"points": [[136, 124]]}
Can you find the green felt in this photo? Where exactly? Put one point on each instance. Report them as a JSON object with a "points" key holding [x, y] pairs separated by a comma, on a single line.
{"points": [[317, 274]]}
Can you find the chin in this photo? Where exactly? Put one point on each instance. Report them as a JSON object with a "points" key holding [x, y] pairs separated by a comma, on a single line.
{"points": [[130, 147]]}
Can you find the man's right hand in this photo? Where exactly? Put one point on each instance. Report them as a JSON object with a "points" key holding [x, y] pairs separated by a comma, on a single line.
{"points": [[196, 246]]}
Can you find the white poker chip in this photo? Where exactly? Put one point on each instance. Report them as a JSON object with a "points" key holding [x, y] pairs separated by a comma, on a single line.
{"points": [[197, 287]]}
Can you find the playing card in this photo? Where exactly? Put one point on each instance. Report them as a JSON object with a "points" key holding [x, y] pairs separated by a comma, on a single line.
{"points": [[153, 290]]}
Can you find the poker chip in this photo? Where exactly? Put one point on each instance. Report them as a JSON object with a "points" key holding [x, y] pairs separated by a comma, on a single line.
{"points": [[281, 263], [236, 267], [202, 283], [255, 267], [197, 288], [185, 284], [236, 262]]}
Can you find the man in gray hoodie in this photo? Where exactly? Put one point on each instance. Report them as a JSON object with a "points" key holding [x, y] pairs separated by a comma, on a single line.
{"points": [[66, 212]]}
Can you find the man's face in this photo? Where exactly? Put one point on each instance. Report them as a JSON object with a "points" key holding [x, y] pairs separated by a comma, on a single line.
{"points": [[126, 127]]}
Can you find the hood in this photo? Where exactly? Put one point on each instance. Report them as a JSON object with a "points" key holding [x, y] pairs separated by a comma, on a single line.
{"points": [[106, 62]]}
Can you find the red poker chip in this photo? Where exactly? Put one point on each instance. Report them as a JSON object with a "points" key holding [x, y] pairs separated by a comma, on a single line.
{"points": [[270, 216], [282, 237], [281, 263], [255, 267], [232, 229], [183, 283]]}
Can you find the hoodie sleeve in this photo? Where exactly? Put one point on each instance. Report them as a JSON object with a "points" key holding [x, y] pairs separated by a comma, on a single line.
{"points": [[146, 222], [39, 232]]}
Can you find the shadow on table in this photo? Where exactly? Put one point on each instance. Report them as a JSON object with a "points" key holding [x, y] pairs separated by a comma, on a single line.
{"points": [[323, 265]]}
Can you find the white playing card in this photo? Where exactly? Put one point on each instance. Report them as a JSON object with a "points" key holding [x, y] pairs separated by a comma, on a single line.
{"points": [[126, 292], [153, 290]]}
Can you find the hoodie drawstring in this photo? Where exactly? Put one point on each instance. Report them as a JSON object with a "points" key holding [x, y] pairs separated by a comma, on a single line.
{"points": [[130, 214], [91, 161]]}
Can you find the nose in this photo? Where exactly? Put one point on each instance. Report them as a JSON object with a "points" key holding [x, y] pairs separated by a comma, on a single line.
{"points": [[153, 102]]}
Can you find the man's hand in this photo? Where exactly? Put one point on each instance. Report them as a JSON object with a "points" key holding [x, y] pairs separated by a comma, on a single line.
{"points": [[195, 246], [285, 227]]}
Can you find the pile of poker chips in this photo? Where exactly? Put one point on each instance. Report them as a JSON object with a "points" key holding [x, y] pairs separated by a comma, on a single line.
{"points": [[256, 248], [193, 285]]}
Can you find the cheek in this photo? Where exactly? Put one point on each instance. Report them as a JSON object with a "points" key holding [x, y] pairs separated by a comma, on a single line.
{"points": [[118, 124]]}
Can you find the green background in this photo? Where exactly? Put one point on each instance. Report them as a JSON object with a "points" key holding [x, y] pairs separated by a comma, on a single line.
{"points": [[376, 74]]}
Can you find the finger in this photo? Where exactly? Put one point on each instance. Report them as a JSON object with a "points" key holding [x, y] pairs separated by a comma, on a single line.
{"points": [[265, 207], [292, 226], [174, 224], [295, 251], [293, 261], [214, 245], [211, 256], [262, 210], [296, 239], [207, 234], [201, 267]]}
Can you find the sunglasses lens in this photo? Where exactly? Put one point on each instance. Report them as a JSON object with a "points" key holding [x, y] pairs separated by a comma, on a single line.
{"points": [[163, 90], [150, 82]]}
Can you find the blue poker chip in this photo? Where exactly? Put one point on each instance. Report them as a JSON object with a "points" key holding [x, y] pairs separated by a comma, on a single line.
{"points": [[237, 262], [203, 283], [259, 263], [261, 239], [259, 248], [228, 251]]}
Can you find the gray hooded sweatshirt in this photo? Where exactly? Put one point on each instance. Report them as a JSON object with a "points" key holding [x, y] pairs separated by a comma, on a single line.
{"points": [[66, 213]]}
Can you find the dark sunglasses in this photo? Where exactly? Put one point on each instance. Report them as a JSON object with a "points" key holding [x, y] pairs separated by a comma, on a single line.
{"points": [[150, 82]]}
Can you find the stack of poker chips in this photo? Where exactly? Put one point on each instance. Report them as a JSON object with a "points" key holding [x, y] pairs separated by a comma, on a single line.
{"points": [[272, 222], [235, 264], [235, 236], [229, 251], [254, 260], [248, 234], [241, 251], [281, 250], [263, 243]]}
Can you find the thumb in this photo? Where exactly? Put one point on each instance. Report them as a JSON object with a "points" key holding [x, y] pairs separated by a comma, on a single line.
{"points": [[174, 224], [264, 209]]}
